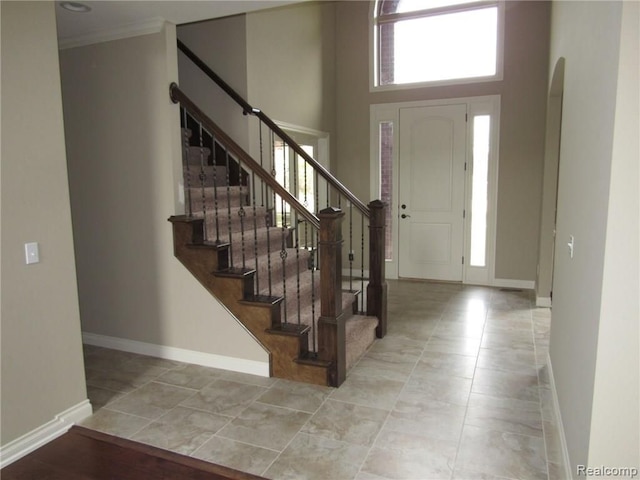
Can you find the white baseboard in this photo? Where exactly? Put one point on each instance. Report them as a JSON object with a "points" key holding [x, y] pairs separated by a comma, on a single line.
{"points": [[508, 283], [51, 430], [178, 354], [556, 409], [543, 302]]}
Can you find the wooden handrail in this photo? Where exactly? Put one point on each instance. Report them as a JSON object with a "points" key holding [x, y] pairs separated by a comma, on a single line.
{"points": [[178, 96], [248, 109]]}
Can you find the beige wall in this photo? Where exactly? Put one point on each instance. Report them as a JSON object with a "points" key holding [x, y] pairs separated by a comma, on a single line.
{"points": [[523, 99], [594, 332], [123, 143], [617, 364], [544, 280], [280, 60], [291, 68], [42, 366], [615, 419], [222, 45]]}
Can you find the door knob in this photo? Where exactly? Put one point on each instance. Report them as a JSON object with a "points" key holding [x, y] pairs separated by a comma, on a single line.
{"points": [[404, 216]]}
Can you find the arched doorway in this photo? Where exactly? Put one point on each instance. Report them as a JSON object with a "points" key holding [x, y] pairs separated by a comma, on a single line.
{"points": [[544, 280]]}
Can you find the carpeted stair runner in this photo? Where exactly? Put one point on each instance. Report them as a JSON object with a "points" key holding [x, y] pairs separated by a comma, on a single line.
{"points": [[280, 270]]}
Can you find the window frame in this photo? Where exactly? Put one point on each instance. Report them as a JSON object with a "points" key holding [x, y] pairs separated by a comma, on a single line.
{"points": [[374, 54]]}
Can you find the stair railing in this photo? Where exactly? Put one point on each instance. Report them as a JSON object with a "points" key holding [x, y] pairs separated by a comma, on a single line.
{"points": [[294, 189], [247, 109], [221, 185], [333, 193]]}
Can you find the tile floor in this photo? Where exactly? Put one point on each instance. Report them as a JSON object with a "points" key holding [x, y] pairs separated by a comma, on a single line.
{"points": [[458, 389]]}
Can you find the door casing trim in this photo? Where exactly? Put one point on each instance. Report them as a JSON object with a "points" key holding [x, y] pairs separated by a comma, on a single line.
{"points": [[480, 105]]}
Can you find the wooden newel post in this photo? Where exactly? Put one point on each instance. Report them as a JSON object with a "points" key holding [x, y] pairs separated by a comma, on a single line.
{"points": [[331, 331], [377, 288]]}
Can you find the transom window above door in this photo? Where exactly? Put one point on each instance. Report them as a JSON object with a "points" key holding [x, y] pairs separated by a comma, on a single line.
{"points": [[425, 42]]}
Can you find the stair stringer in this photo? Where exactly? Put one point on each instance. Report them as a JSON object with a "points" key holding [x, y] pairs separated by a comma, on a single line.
{"points": [[261, 317]]}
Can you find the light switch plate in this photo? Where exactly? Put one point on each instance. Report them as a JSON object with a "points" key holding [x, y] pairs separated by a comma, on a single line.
{"points": [[31, 253]]}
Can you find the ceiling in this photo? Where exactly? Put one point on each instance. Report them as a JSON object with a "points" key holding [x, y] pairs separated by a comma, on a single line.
{"points": [[119, 16]]}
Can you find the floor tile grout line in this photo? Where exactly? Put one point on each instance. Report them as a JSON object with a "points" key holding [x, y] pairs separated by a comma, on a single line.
{"points": [[540, 411], [283, 407], [229, 420], [243, 442], [505, 304], [473, 378], [386, 420], [297, 433]]}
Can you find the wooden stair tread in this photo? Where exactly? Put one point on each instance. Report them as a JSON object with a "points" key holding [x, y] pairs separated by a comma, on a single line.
{"points": [[208, 245], [289, 329], [307, 360], [262, 299], [234, 272]]}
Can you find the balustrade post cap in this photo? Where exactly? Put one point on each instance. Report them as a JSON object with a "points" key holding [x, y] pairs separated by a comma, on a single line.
{"points": [[330, 212], [376, 204]]}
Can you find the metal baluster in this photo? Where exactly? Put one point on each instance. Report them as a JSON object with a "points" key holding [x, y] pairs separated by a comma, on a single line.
{"points": [[294, 192], [317, 192], [255, 217], [328, 201], [296, 227], [297, 247], [214, 157], [286, 186], [263, 192], [203, 177], [283, 256], [241, 213], [313, 294], [273, 174], [186, 173], [362, 309], [306, 203], [269, 254], [351, 256], [283, 251], [228, 181]]}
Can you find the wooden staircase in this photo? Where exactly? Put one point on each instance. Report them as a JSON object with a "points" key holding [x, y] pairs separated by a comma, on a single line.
{"points": [[272, 288], [285, 287]]}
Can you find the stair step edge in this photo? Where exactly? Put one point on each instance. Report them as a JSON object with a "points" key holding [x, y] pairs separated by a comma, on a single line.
{"points": [[312, 361], [234, 272], [289, 329], [262, 299], [209, 245]]}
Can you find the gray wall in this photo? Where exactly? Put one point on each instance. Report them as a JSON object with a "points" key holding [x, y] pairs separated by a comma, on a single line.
{"points": [[594, 332], [42, 366], [123, 140], [523, 99]]}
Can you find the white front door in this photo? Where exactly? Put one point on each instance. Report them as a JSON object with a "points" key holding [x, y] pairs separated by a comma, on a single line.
{"points": [[432, 156]]}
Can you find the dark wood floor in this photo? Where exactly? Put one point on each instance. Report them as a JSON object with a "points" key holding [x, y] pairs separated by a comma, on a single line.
{"points": [[86, 454]]}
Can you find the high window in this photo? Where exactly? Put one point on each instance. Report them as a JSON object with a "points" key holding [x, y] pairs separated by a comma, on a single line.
{"points": [[436, 41]]}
